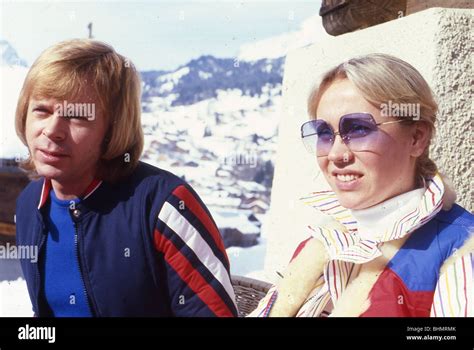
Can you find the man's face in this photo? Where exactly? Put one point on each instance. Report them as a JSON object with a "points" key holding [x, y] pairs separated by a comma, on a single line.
{"points": [[65, 143]]}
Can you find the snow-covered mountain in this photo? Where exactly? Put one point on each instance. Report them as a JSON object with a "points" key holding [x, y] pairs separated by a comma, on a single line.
{"points": [[9, 55], [202, 78], [213, 121], [12, 74]]}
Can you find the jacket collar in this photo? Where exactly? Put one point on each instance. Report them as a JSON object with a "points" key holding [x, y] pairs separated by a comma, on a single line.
{"points": [[341, 240], [93, 186]]}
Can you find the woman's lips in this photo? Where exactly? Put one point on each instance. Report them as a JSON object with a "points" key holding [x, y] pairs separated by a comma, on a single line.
{"points": [[348, 181], [51, 156]]}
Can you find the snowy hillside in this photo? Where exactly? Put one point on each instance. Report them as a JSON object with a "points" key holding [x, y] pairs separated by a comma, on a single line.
{"points": [[202, 78], [9, 56], [214, 123], [12, 74]]}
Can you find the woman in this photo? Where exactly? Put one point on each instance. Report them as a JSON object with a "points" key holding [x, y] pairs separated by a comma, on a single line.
{"points": [[116, 237], [395, 245]]}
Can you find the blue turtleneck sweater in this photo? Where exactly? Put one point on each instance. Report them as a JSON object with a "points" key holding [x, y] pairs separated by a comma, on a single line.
{"points": [[63, 285]]}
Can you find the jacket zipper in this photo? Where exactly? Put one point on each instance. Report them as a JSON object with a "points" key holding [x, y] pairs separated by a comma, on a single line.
{"points": [[38, 277], [80, 267]]}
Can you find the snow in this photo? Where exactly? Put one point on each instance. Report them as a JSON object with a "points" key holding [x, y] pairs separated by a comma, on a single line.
{"points": [[237, 219], [204, 75], [251, 186], [171, 79], [256, 202], [11, 82], [9, 55], [168, 86], [232, 118], [219, 135], [233, 100], [220, 201], [175, 76], [310, 32], [244, 261], [14, 298]]}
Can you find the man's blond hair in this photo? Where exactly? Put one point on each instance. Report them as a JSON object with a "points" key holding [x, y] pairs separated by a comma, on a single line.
{"points": [[68, 68]]}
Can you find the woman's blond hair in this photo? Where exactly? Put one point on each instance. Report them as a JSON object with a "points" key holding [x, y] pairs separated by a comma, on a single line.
{"points": [[64, 70], [381, 78]]}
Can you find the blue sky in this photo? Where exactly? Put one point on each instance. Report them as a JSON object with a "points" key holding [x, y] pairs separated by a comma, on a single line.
{"points": [[154, 34]]}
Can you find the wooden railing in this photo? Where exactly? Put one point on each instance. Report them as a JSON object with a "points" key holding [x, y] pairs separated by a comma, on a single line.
{"points": [[12, 182], [7, 230]]}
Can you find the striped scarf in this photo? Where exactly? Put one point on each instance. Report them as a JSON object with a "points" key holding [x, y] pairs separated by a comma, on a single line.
{"points": [[346, 245], [347, 251]]}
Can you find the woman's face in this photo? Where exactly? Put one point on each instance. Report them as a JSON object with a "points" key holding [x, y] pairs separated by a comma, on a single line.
{"points": [[365, 178]]}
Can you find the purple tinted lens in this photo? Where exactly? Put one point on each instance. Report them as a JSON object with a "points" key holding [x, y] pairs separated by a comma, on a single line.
{"points": [[309, 128], [357, 125], [318, 136], [359, 131], [325, 139]]}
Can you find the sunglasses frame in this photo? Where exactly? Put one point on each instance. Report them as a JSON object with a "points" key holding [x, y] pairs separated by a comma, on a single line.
{"points": [[345, 138]]}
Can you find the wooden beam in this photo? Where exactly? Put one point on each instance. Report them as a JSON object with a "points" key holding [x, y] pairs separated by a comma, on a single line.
{"points": [[7, 229], [344, 16]]}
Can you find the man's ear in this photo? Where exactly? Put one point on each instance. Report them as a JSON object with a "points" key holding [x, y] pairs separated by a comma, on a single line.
{"points": [[420, 138]]}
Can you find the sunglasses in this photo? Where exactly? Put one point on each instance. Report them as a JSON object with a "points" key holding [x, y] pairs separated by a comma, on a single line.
{"points": [[358, 131]]}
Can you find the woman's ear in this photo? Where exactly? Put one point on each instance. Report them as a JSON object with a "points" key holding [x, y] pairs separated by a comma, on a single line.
{"points": [[420, 138]]}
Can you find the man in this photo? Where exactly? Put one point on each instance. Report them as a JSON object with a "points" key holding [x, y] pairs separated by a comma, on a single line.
{"points": [[116, 237]]}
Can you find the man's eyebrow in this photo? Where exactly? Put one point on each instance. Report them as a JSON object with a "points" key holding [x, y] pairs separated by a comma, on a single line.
{"points": [[42, 103], [41, 106]]}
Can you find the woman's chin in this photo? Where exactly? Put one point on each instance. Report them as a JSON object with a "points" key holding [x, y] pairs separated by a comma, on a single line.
{"points": [[353, 200]]}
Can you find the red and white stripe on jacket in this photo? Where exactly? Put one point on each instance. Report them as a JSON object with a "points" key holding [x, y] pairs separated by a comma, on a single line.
{"points": [[194, 251]]}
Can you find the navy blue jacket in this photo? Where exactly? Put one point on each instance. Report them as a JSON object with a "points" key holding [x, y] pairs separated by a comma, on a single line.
{"points": [[146, 247]]}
